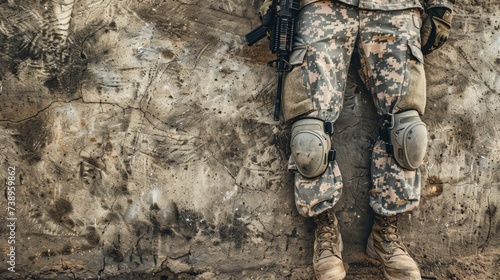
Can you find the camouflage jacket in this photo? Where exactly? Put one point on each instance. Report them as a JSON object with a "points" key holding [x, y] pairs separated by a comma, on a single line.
{"points": [[391, 5]]}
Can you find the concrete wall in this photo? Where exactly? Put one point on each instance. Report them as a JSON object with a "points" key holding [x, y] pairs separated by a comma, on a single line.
{"points": [[142, 139]]}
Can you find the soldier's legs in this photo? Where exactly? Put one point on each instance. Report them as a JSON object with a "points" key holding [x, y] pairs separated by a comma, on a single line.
{"points": [[392, 66], [326, 35]]}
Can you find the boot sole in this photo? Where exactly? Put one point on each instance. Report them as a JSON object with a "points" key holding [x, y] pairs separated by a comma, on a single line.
{"points": [[337, 277]]}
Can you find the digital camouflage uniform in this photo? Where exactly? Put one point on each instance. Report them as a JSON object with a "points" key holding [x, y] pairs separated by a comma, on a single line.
{"points": [[386, 34]]}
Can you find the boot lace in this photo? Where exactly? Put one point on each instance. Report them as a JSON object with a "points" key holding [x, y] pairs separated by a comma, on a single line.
{"points": [[393, 242], [327, 237]]}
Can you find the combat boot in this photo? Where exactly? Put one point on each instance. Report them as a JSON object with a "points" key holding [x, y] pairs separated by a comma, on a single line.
{"points": [[327, 259], [385, 245]]}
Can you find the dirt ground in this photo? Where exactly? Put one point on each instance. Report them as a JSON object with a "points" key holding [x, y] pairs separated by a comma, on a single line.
{"points": [[137, 142]]}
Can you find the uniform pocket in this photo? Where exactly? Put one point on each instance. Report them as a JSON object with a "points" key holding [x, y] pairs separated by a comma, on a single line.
{"points": [[414, 97], [416, 52], [296, 102], [298, 55]]}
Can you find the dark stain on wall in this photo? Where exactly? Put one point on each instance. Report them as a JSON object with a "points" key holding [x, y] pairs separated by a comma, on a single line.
{"points": [[31, 138]]}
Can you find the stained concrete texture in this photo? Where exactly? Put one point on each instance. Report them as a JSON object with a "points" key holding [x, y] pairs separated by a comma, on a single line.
{"points": [[137, 141]]}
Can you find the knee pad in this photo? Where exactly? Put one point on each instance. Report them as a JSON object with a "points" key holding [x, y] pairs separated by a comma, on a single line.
{"points": [[311, 146], [408, 137]]}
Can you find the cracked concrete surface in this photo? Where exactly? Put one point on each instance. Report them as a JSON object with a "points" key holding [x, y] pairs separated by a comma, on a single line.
{"points": [[142, 139]]}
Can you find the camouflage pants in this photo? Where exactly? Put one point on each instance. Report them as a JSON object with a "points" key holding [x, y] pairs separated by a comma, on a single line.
{"points": [[389, 48]]}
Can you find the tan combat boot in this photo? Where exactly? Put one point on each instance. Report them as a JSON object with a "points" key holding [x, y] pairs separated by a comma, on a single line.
{"points": [[327, 260], [385, 245]]}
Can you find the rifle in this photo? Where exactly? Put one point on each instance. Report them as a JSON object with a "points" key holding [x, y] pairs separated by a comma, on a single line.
{"points": [[284, 14]]}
